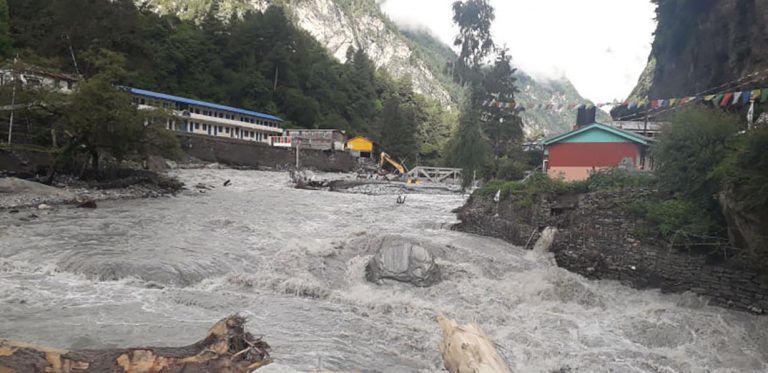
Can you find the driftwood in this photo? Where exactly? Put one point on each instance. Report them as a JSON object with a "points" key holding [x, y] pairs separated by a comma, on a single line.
{"points": [[466, 349], [227, 348]]}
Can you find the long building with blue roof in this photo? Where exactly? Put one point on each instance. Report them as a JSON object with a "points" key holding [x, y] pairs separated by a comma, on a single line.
{"points": [[205, 118]]}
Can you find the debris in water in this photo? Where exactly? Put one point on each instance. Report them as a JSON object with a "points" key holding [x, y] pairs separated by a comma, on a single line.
{"points": [[466, 348], [227, 348], [401, 199], [88, 204]]}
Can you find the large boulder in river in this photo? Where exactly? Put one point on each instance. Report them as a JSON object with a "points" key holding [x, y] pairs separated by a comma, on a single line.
{"points": [[404, 260]]}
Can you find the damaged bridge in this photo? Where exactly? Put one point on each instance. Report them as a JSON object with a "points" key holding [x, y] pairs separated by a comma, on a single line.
{"points": [[443, 175]]}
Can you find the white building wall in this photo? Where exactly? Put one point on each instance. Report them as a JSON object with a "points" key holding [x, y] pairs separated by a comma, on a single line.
{"points": [[203, 121]]}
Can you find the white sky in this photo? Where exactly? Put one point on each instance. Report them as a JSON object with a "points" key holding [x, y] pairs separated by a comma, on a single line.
{"points": [[600, 45]]}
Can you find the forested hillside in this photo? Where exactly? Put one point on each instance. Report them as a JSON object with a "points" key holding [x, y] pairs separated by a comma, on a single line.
{"points": [[258, 61], [403, 53]]}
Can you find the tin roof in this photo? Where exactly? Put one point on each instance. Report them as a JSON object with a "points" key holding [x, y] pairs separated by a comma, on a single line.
{"points": [[602, 127], [209, 105]]}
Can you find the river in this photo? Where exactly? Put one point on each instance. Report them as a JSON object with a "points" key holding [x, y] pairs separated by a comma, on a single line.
{"points": [[161, 271]]}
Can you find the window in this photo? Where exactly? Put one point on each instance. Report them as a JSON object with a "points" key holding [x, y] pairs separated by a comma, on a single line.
{"points": [[226, 130], [205, 127], [197, 126]]}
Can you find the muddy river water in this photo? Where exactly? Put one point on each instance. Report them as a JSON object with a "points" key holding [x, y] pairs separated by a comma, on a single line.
{"points": [[161, 271]]}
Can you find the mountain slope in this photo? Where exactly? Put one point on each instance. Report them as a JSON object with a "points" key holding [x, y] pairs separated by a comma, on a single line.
{"points": [[360, 24], [704, 44], [338, 25], [538, 123]]}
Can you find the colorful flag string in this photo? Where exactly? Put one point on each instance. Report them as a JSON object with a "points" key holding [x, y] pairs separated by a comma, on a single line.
{"points": [[725, 99]]}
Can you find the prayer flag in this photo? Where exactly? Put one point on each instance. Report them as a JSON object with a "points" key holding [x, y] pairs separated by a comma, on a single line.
{"points": [[726, 99], [736, 98], [745, 97]]}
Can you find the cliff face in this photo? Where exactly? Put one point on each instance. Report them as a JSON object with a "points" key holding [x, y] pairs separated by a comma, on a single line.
{"points": [[337, 25], [702, 44], [341, 24]]}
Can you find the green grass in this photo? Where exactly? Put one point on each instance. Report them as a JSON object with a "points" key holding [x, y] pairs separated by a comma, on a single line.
{"points": [[613, 179]]}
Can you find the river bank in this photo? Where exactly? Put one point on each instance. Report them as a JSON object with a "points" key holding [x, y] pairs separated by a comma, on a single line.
{"points": [[159, 272], [16, 194], [600, 238]]}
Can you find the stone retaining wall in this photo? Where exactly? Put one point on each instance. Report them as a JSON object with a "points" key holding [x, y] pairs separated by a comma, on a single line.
{"points": [[598, 239], [252, 154]]}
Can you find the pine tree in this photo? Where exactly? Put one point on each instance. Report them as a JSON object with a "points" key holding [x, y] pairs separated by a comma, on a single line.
{"points": [[474, 18], [502, 126]]}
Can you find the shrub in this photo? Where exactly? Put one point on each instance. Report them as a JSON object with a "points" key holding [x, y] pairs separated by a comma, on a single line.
{"points": [[690, 149], [676, 215], [616, 178]]}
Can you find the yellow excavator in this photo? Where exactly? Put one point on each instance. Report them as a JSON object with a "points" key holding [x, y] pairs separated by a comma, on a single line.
{"points": [[384, 157]]}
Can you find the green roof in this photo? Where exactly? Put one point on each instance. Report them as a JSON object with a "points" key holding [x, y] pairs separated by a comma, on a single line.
{"points": [[631, 136]]}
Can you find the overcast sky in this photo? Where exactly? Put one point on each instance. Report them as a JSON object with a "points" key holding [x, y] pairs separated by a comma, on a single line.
{"points": [[600, 45]]}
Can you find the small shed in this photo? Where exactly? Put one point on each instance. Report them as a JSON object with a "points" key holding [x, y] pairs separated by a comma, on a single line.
{"points": [[361, 147], [576, 154]]}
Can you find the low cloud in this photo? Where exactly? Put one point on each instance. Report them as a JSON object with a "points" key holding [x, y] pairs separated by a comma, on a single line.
{"points": [[600, 45]]}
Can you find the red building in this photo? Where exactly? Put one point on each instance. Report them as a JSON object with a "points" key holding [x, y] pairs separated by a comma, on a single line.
{"points": [[574, 155]]}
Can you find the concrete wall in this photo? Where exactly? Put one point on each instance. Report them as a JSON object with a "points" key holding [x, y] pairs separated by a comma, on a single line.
{"points": [[252, 154], [598, 239]]}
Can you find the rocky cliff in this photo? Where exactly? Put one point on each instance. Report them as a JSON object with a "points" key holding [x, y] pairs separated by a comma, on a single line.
{"points": [[360, 24], [702, 44], [336, 24]]}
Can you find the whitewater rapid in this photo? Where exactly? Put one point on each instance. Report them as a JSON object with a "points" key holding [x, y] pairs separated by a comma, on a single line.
{"points": [[161, 271]]}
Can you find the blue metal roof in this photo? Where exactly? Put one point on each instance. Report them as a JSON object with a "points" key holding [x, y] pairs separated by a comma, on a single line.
{"points": [[189, 101]]}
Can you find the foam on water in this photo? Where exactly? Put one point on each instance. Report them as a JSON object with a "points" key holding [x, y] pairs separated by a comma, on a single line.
{"points": [[160, 272]]}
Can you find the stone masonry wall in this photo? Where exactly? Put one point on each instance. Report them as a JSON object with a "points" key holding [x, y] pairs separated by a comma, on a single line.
{"points": [[598, 240], [251, 154]]}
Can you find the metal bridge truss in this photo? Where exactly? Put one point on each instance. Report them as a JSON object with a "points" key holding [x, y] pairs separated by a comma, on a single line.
{"points": [[435, 175]]}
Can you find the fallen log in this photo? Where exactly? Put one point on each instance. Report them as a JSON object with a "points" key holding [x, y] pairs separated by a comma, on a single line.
{"points": [[227, 348], [466, 349]]}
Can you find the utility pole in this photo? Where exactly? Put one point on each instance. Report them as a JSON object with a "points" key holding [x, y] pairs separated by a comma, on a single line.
{"points": [[13, 99], [277, 72], [645, 126], [298, 146], [72, 53]]}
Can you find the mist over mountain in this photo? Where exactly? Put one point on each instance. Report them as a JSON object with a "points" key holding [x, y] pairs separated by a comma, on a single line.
{"points": [[401, 50]]}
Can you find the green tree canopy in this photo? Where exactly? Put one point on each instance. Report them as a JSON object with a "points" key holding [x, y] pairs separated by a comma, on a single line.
{"points": [[258, 61], [485, 134], [689, 151], [101, 119], [5, 36]]}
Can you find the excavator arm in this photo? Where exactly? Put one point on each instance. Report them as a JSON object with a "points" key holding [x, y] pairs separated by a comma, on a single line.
{"points": [[386, 158]]}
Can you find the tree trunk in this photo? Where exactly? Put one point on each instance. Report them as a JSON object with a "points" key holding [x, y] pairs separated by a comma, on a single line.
{"points": [[227, 348], [95, 161], [466, 349]]}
